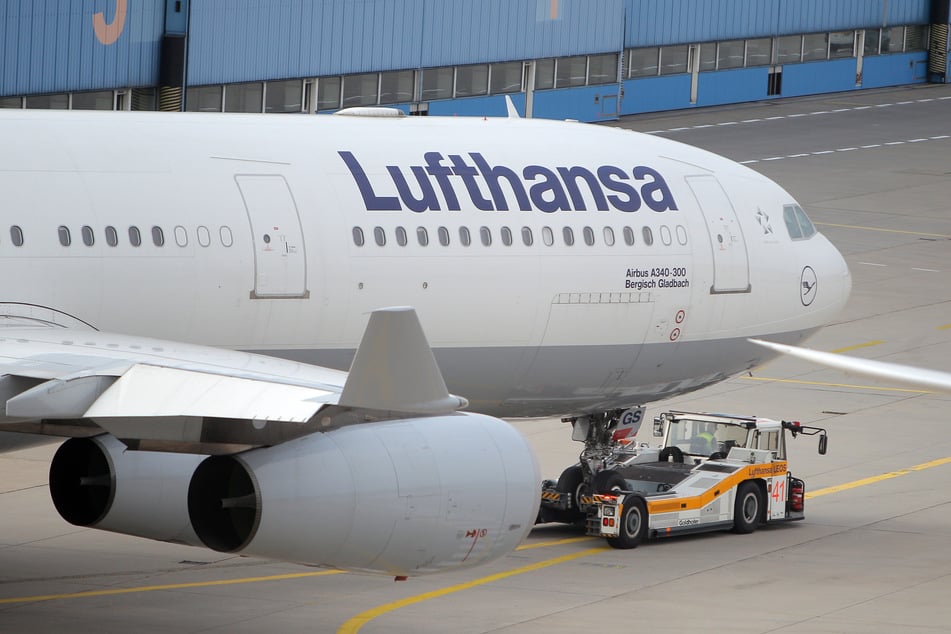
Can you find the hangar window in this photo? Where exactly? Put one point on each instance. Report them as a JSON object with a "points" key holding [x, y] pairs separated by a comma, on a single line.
{"points": [[628, 236], [673, 59], [48, 102], [730, 54], [544, 74], [465, 238], [602, 69], [872, 37], [64, 238], [643, 62], [548, 236], [472, 80], [244, 97], [328, 93], [204, 237], [397, 86], [112, 236], [797, 223], [505, 78], [708, 56], [422, 236], [135, 236], [893, 40], [842, 44], [437, 83], [759, 52], [89, 238], [506, 234], [181, 236], [789, 49], [11, 102], [588, 234], [568, 235], [401, 238], [101, 100], [527, 238], [358, 238], [916, 37], [158, 236], [227, 238], [361, 90], [203, 99], [815, 46], [609, 236], [485, 234], [379, 235], [284, 96], [16, 235], [443, 236], [571, 71], [648, 236]]}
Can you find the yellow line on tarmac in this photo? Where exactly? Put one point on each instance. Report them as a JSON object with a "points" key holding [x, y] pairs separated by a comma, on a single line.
{"points": [[354, 624], [945, 327], [867, 344], [556, 542], [170, 586], [823, 383], [879, 478], [913, 233]]}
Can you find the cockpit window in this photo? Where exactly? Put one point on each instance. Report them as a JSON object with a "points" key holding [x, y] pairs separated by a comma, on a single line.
{"points": [[797, 223]]}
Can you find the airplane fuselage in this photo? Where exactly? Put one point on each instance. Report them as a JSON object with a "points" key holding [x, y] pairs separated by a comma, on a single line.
{"points": [[556, 268]]}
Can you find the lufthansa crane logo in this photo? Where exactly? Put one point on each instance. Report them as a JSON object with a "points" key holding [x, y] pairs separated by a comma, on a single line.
{"points": [[108, 33], [807, 286]]}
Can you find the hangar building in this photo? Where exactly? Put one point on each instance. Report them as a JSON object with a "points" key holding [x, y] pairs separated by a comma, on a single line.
{"points": [[581, 59]]}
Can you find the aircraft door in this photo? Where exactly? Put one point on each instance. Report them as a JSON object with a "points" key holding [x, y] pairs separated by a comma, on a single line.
{"points": [[280, 265], [731, 266]]}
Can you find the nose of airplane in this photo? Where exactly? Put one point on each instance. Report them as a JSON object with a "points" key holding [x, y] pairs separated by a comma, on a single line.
{"points": [[832, 281]]}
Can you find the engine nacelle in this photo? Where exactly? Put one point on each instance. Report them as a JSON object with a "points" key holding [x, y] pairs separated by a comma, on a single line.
{"points": [[404, 497], [98, 483]]}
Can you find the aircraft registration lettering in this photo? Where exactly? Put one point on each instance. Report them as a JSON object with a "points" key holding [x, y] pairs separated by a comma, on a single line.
{"points": [[437, 181], [640, 279]]}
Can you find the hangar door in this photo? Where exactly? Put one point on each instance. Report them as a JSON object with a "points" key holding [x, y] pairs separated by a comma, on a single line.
{"points": [[280, 265], [731, 266]]}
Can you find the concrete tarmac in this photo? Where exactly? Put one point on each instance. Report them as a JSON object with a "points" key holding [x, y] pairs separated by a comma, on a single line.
{"points": [[873, 170]]}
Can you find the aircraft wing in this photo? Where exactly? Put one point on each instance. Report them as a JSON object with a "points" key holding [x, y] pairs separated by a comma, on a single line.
{"points": [[890, 372], [161, 395]]}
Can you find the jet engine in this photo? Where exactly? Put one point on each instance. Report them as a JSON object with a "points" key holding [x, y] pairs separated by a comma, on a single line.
{"points": [[96, 482], [408, 496]]}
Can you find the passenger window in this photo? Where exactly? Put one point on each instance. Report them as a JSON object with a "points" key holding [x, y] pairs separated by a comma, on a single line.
{"points": [[64, 237], [135, 237], [648, 236], [609, 236], [358, 236], [158, 236], [181, 236], [568, 235], [628, 236], [422, 236], [588, 234], [665, 235], [16, 235], [682, 234], [204, 236], [486, 235], [88, 237], [527, 238], [548, 236], [401, 238], [506, 236], [464, 237], [112, 236], [379, 235], [227, 238], [443, 236]]}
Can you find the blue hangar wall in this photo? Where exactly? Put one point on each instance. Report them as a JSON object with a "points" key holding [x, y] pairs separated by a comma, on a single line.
{"points": [[590, 59]]}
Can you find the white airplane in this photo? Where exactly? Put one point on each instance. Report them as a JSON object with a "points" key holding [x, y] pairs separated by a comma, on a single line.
{"points": [[181, 293]]}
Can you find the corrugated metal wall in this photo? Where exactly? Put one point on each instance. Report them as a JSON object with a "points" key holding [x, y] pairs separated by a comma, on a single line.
{"points": [[232, 41], [653, 23], [52, 45]]}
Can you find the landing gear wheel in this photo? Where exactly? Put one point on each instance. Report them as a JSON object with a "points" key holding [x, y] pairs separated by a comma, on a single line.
{"points": [[671, 452], [608, 481], [633, 524], [748, 508], [571, 481]]}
